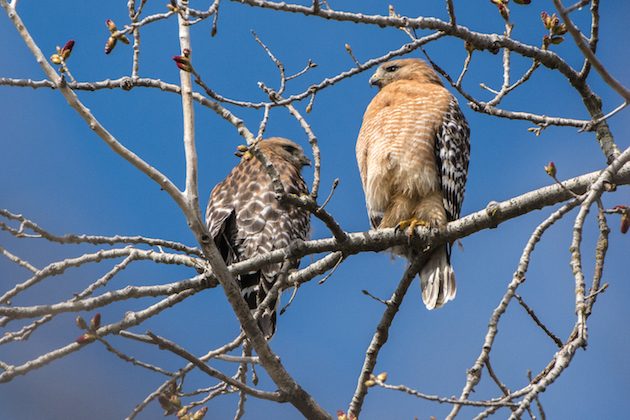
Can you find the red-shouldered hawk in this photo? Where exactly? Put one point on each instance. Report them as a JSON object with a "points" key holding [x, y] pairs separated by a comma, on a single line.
{"points": [[245, 219], [413, 151]]}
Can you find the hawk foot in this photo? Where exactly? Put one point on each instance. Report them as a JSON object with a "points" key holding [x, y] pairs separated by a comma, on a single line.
{"points": [[411, 225]]}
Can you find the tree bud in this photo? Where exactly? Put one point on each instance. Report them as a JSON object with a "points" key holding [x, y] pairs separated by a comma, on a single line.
{"points": [[551, 169], [183, 63], [110, 44], [111, 25], [95, 322], [67, 49], [200, 414], [81, 322]]}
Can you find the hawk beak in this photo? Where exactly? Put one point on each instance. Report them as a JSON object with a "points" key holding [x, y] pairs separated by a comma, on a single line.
{"points": [[374, 81], [305, 161]]}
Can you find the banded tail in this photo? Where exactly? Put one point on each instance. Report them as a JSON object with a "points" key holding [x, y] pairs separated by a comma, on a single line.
{"points": [[437, 280]]}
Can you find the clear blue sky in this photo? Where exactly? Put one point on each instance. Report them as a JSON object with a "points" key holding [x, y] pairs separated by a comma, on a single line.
{"points": [[57, 172]]}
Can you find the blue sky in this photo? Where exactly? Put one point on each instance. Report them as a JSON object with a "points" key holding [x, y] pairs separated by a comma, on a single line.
{"points": [[57, 172]]}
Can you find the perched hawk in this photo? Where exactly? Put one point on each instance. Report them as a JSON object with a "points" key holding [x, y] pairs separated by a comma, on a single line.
{"points": [[413, 151], [245, 219]]}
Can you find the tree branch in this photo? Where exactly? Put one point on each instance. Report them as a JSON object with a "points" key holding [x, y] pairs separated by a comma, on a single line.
{"points": [[381, 334]]}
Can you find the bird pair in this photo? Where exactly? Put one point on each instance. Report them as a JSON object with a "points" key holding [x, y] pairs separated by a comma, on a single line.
{"points": [[412, 150]]}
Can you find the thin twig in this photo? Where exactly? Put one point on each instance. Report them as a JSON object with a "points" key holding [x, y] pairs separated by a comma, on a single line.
{"points": [[165, 344], [367, 293], [535, 318], [130, 319], [339, 257], [91, 239], [443, 400], [133, 360], [19, 261], [464, 68], [495, 378], [213, 353], [590, 55]]}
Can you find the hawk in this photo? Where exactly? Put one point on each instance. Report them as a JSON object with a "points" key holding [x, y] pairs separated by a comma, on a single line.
{"points": [[413, 151], [245, 219]]}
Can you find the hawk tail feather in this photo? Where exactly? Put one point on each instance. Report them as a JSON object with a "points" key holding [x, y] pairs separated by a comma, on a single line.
{"points": [[254, 293], [437, 280]]}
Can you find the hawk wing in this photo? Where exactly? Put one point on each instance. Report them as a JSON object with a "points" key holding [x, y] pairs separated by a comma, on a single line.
{"points": [[452, 155]]}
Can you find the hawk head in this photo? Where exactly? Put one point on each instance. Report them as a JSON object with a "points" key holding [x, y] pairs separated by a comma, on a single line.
{"points": [[405, 69], [287, 150]]}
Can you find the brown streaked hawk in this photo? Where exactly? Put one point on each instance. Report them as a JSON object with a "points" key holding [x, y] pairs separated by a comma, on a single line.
{"points": [[245, 219], [413, 151]]}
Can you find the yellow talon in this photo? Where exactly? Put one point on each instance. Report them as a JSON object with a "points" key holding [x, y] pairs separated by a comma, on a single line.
{"points": [[411, 225]]}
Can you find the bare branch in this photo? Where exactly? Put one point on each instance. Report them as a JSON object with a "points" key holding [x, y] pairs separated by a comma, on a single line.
{"points": [[381, 334], [129, 292], [464, 68], [600, 254], [174, 348], [480, 41], [221, 350], [590, 55], [451, 12], [535, 318], [355, 242], [19, 261], [474, 373], [583, 191], [60, 267], [312, 139], [495, 378], [91, 239], [85, 113], [443, 400], [133, 360], [130, 319], [191, 193]]}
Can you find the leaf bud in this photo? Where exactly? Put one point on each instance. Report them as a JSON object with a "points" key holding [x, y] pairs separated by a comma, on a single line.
{"points": [[551, 169], [67, 49], [81, 322], [182, 62], [95, 322], [111, 25], [110, 44], [200, 414]]}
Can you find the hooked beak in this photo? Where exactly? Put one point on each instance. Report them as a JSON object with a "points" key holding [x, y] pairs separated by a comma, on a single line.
{"points": [[305, 161], [374, 81]]}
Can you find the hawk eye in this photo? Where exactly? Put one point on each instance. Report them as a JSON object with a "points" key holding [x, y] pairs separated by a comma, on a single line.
{"points": [[288, 148], [391, 68]]}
